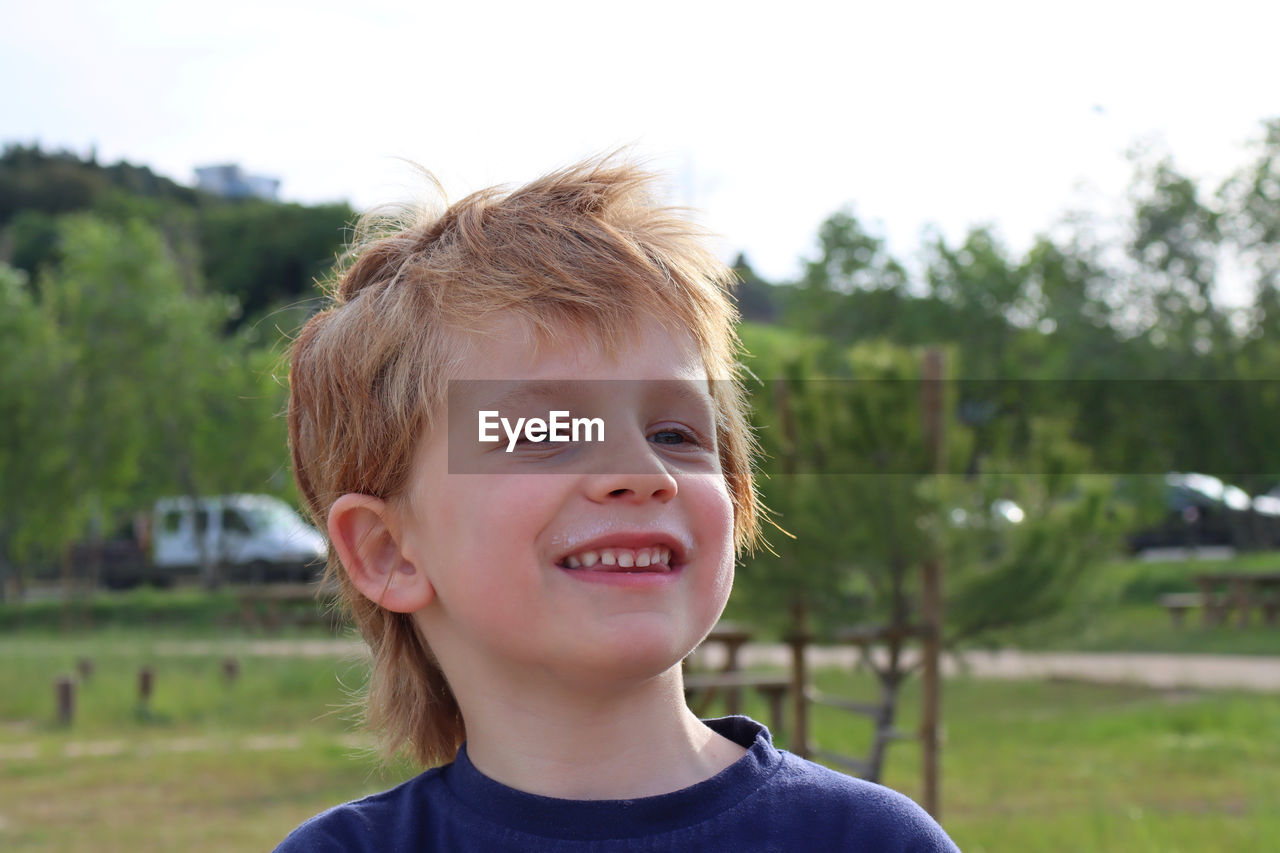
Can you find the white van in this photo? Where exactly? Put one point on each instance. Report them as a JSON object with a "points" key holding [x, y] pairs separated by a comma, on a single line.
{"points": [[246, 537]]}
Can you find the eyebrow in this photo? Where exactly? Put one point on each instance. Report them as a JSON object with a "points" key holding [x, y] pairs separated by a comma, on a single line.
{"points": [[688, 390], [519, 394]]}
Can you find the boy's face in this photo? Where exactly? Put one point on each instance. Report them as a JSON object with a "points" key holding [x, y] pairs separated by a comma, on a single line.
{"points": [[537, 554]]}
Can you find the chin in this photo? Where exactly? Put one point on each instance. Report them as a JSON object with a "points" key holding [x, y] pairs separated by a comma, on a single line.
{"points": [[637, 655]]}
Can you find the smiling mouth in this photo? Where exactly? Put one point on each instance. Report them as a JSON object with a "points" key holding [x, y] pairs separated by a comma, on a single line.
{"points": [[656, 559]]}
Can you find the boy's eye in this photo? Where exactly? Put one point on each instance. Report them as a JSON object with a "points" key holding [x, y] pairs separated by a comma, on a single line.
{"points": [[676, 437]]}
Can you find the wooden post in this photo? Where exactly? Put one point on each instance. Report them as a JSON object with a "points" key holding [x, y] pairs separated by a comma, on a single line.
{"points": [[775, 696], [931, 596], [734, 638], [146, 683], [799, 680], [230, 669], [64, 694]]}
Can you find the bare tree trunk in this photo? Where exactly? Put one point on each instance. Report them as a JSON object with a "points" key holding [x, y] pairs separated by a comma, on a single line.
{"points": [[884, 733], [6, 568], [209, 575], [68, 592], [931, 605]]}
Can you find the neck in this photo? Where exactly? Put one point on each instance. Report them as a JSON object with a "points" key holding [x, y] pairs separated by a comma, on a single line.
{"points": [[639, 740]]}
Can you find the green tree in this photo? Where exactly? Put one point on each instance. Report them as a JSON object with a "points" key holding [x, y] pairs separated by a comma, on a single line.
{"points": [[1251, 200], [848, 474], [57, 182], [1175, 245], [262, 255], [853, 288], [158, 401], [109, 297], [269, 255], [758, 300], [37, 510]]}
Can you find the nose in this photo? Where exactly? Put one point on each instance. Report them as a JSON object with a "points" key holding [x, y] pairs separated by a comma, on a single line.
{"points": [[633, 474]]}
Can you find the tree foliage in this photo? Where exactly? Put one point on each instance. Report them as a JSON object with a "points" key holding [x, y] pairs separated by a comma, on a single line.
{"points": [[260, 256], [62, 182], [269, 255], [1095, 356], [140, 337], [121, 387], [135, 358], [851, 480], [35, 434]]}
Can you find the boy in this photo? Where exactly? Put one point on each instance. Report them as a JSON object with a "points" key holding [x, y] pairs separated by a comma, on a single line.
{"points": [[534, 597]]}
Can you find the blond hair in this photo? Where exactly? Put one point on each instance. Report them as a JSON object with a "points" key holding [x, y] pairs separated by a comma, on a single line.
{"points": [[584, 250]]}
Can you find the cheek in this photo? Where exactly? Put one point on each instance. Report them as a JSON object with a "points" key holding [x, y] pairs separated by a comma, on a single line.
{"points": [[715, 521], [719, 512], [489, 525], [480, 531]]}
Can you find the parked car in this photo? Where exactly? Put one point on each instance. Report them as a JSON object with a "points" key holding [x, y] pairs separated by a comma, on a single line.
{"points": [[1266, 510], [1203, 511], [248, 538]]}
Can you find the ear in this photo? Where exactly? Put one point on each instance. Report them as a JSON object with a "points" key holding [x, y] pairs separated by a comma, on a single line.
{"points": [[365, 533]]}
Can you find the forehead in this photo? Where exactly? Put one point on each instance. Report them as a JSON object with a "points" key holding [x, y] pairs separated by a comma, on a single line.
{"points": [[511, 349]]}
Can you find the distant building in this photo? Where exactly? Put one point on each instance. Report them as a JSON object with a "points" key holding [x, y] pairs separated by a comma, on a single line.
{"points": [[230, 181]]}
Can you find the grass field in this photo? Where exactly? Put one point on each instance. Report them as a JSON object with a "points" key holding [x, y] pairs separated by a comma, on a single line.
{"points": [[212, 765]]}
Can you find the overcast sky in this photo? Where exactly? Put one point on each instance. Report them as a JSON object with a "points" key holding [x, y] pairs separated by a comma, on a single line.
{"points": [[767, 116]]}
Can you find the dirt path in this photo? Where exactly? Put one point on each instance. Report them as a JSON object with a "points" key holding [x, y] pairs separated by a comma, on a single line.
{"points": [[1213, 672], [142, 747]]}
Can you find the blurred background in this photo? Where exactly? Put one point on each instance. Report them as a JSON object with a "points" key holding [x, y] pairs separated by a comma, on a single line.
{"points": [[1076, 211]]}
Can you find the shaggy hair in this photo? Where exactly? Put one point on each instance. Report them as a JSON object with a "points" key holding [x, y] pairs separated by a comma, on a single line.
{"points": [[583, 251]]}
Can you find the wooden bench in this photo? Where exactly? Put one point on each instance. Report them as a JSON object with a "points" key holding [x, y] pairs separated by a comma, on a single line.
{"points": [[701, 688], [1178, 603], [772, 686], [1225, 593]]}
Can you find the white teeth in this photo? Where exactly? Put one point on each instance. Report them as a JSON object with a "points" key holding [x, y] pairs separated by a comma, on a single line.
{"points": [[622, 557]]}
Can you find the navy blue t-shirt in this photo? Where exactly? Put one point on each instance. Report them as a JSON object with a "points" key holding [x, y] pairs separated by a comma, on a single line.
{"points": [[768, 800]]}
